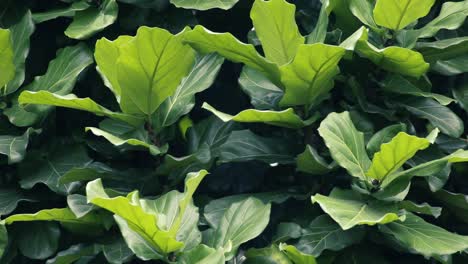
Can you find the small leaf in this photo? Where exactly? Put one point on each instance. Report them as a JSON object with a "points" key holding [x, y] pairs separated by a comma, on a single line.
{"points": [[443, 50], [425, 238], [7, 67], [397, 14], [349, 209], [263, 93], [286, 118], [346, 143], [205, 4], [296, 256], [275, 25], [311, 162], [74, 253], [15, 146], [362, 9], [62, 12]]}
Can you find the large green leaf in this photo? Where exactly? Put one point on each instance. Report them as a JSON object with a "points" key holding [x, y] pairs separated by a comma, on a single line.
{"points": [[71, 101], [43, 244], [451, 16], [60, 12], [7, 67], [423, 208], [309, 77], [346, 143], [201, 77], [202, 254], [362, 9], [92, 20], [324, 234], [394, 154], [445, 49], [392, 59], [15, 146], [383, 136], [63, 215], [349, 209], [286, 118], [205, 4], [60, 78], [228, 46], [440, 116], [117, 252], [241, 222], [263, 93], [397, 14], [157, 61], [10, 198], [275, 25], [424, 238], [311, 162], [20, 35]]}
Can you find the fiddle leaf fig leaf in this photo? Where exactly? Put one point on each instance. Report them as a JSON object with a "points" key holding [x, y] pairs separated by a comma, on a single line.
{"points": [[296, 256], [362, 9], [349, 209], [451, 16], [423, 208], [397, 14], [7, 67], [275, 25], [15, 146], [69, 11], [383, 136], [311, 162], [263, 93], [286, 118], [346, 143], [205, 5]]}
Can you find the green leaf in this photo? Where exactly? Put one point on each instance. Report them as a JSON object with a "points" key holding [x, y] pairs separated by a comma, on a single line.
{"points": [[423, 208], [286, 118], [456, 203], [92, 20], [424, 238], [43, 244], [15, 146], [393, 59], [394, 154], [324, 234], [200, 78], [205, 4], [398, 84], [267, 255], [62, 12], [60, 78], [461, 95], [452, 66], [397, 14], [346, 143], [49, 168], [383, 136], [311, 162], [7, 67], [286, 231], [202, 255], [73, 254], [445, 49], [78, 205], [349, 209], [241, 222], [10, 198], [263, 93], [362, 9], [296, 256], [275, 25], [438, 115], [117, 252], [319, 34], [244, 145], [20, 35], [118, 142], [205, 41], [451, 16], [71, 101], [3, 239], [309, 77]]}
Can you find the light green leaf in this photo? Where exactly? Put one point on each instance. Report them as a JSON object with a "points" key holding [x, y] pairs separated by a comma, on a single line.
{"points": [[392, 59], [362, 9], [15, 146], [394, 154], [118, 142], [349, 209], [201, 77], [311, 162], [71, 101], [398, 84], [157, 61], [92, 20], [286, 118], [423, 208], [397, 14], [9, 199], [244, 145], [205, 4], [425, 238], [383, 136], [275, 25], [60, 78], [309, 77], [78, 205], [296, 256], [346, 143], [269, 255], [438, 115], [7, 67], [241, 222], [451, 16], [63, 215], [73, 254], [324, 234], [263, 93], [20, 35], [205, 41], [202, 255], [62, 12]]}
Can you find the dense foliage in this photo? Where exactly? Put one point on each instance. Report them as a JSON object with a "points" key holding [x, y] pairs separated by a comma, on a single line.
{"points": [[252, 131]]}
